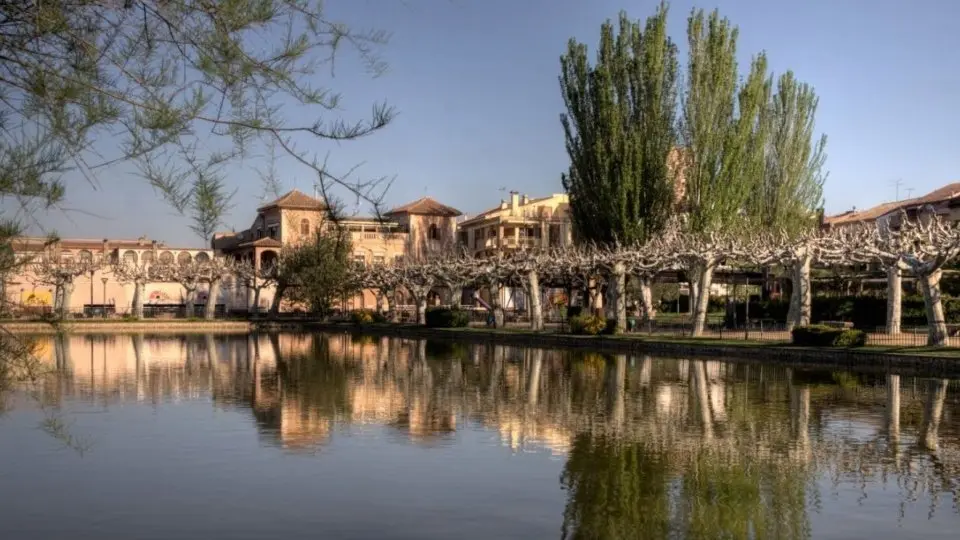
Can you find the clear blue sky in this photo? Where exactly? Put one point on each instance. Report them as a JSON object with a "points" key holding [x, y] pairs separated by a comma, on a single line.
{"points": [[475, 84]]}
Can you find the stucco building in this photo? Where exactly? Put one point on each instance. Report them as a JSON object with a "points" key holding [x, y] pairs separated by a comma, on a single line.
{"points": [[412, 230], [26, 290]]}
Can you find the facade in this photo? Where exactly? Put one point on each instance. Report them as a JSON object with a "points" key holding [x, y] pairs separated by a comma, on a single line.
{"points": [[520, 223], [413, 230], [101, 291]]}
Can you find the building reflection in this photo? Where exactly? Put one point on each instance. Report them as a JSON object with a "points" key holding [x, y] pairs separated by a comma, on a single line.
{"points": [[661, 445]]}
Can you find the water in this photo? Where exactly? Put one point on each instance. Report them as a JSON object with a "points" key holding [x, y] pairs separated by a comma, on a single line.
{"points": [[300, 436]]}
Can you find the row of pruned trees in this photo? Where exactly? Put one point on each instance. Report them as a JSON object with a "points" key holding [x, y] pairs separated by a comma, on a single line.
{"points": [[62, 273], [921, 247]]}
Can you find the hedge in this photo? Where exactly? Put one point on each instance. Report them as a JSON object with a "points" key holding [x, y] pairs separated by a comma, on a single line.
{"points": [[367, 316], [865, 312], [447, 318], [827, 336]]}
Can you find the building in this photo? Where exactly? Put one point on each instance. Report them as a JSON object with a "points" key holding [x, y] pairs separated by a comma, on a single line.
{"points": [[99, 291], [520, 223], [412, 230], [945, 201]]}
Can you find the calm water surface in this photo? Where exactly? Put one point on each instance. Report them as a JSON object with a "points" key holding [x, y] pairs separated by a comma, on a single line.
{"points": [[333, 436]]}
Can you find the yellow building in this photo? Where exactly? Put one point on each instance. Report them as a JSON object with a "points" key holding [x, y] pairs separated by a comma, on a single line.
{"points": [[521, 222]]}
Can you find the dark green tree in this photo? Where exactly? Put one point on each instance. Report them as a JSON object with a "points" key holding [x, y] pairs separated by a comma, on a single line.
{"points": [[620, 129], [322, 271]]}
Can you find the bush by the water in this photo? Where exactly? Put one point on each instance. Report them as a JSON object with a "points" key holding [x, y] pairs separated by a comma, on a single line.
{"points": [[818, 335], [366, 316], [590, 325], [447, 318]]}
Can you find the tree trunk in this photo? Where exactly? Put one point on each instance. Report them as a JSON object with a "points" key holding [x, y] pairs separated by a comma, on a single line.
{"points": [[210, 309], [277, 298], [456, 295], [647, 310], [533, 383], [422, 309], [894, 299], [800, 297], [619, 287], [498, 315], [138, 293], [188, 296], [256, 299], [694, 288], [536, 308], [704, 280], [936, 324]]}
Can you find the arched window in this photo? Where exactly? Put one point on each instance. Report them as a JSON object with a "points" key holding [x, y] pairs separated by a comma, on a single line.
{"points": [[147, 257], [434, 232], [184, 258], [304, 226], [202, 257], [166, 257], [86, 255], [130, 257]]}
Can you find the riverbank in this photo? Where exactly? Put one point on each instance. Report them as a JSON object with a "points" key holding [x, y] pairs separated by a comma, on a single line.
{"points": [[92, 326], [919, 361]]}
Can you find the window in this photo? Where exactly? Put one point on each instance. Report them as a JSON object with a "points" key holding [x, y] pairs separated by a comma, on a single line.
{"points": [[272, 232], [379, 259], [360, 259], [184, 258], [130, 257], [86, 256], [397, 259], [202, 257], [464, 239], [434, 232], [305, 226], [166, 258], [147, 257], [259, 234]]}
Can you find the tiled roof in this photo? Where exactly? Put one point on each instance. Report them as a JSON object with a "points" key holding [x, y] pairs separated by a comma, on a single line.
{"points": [[425, 206], [943, 194], [297, 200], [263, 242]]}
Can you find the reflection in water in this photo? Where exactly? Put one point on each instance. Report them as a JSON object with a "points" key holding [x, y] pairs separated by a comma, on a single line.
{"points": [[652, 447]]}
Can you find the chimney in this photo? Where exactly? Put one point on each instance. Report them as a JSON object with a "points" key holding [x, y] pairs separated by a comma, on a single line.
{"points": [[503, 204], [514, 203], [524, 200]]}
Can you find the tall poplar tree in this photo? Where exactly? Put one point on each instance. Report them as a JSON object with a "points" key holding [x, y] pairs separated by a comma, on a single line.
{"points": [[620, 126], [724, 131]]}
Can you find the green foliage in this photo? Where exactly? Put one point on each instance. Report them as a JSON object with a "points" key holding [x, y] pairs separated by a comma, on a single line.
{"points": [[361, 316], [792, 187], [826, 336], [574, 311], [620, 129], [590, 325], [319, 271], [439, 317]]}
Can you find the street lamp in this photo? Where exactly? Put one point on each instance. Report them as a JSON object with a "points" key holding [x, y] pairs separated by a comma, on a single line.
{"points": [[104, 281]]}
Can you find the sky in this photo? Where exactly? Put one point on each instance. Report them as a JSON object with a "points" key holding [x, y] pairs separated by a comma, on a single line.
{"points": [[475, 86]]}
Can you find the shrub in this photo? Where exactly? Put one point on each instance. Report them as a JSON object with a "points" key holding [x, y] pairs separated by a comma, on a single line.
{"points": [[447, 318], [574, 311], [589, 325], [361, 316], [827, 336], [611, 327]]}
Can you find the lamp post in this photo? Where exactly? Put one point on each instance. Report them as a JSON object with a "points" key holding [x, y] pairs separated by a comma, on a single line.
{"points": [[104, 281], [91, 292]]}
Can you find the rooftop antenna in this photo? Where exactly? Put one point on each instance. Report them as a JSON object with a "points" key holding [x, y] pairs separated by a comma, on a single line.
{"points": [[909, 192], [896, 185]]}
